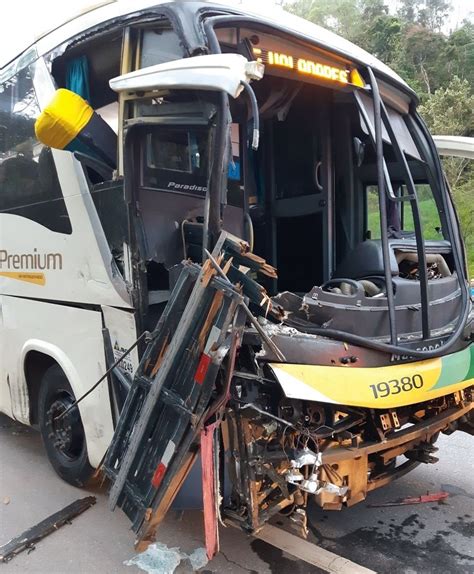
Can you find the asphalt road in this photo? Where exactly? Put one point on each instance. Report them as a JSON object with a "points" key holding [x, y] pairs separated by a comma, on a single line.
{"points": [[427, 538]]}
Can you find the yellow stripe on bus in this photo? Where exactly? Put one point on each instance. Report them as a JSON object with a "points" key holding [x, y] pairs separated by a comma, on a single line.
{"points": [[376, 387], [36, 278]]}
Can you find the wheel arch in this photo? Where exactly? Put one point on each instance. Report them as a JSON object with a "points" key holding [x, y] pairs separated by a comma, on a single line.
{"points": [[35, 365], [36, 357]]}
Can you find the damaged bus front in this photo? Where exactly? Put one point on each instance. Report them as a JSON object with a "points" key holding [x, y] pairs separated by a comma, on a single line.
{"points": [[288, 238], [361, 351]]}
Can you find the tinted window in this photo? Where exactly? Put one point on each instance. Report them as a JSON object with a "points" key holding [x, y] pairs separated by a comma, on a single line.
{"points": [[159, 46], [176, 159], [29, 185], [171, 149]]}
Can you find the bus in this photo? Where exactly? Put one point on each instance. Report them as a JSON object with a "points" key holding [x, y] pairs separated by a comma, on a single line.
{"points": [[207, 118]]}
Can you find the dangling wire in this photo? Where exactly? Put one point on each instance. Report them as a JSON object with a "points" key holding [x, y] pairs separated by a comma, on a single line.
{"points": [[255, 114], [145, 334]]}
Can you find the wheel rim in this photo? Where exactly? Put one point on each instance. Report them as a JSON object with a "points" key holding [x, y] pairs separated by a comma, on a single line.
{"points": [[65, 433]]}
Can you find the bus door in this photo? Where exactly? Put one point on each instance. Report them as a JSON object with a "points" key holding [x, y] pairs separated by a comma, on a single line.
{"points": [[300, 166]]}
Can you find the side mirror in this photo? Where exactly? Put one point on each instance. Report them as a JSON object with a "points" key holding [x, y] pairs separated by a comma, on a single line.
{"points": [[69, 123]]}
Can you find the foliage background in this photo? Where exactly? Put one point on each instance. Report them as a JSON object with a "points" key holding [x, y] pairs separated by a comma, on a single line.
{"points": [[438, 64]]}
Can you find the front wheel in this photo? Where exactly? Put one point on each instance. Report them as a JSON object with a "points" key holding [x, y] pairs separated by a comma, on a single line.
{"points": [[64, 438]]}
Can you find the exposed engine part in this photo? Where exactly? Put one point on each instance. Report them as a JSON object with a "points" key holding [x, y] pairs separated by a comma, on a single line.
{"points": [[291, 410], [282, 451], [308, 414], [311, 485], [294, 477], [315, 486], [347, 287], [306, 457], [265, 413], [437, 266]]}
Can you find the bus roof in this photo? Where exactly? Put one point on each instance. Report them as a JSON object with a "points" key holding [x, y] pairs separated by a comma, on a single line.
{"points": [[103, 11]]}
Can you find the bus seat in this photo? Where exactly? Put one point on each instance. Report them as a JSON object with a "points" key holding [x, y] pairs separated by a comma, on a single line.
{"points": [[365, 260]]}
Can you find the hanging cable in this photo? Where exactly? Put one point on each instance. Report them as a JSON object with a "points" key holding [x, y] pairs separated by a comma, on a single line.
{"points": [[145, 334], [255, 115]]}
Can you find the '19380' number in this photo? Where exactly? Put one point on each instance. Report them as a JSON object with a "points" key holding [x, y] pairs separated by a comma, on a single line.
{"points": [[396, 386]]}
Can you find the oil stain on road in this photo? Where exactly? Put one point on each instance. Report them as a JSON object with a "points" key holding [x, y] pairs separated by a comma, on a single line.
{"points": [[392, 547]]}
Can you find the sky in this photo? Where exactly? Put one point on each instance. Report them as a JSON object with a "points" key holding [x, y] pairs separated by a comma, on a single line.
{"points": [[23, 20]]}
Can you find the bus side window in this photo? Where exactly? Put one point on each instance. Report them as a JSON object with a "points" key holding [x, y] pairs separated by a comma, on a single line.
{"points": [[159, 45], [29, 185], [400, 214]]}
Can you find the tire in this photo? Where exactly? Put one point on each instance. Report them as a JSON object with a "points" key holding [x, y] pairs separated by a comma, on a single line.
{"points": [[64, 439]]}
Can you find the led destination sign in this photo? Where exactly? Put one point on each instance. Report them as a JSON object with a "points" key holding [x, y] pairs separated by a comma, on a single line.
{"points": [[304, 66]]}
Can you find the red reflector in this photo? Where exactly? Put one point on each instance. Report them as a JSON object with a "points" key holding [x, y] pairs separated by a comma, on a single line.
{"points": [[201, 370], [158, 476]]}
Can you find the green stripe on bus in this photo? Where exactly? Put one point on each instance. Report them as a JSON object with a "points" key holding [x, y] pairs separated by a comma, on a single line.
{"points": [[455, 368]]}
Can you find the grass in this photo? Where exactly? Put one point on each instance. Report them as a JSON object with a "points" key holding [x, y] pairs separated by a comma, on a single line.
{"points": [[429, 219], [428, 213]]}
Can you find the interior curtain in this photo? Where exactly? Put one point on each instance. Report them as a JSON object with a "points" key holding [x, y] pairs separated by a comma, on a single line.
{"points": [[77, 77]]}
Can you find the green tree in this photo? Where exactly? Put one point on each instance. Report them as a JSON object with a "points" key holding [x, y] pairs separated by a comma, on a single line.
{"points": [[463, 199], [344, 17], [372, 9], [450, 111], [430, 14], [460, 52], [408, 11], [433, 14], [423, 59], [384, 38]]}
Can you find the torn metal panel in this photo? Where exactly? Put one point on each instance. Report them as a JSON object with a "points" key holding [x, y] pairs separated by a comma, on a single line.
{"points": [[157, 436], [172, 404], [47, 526], [209, 492]]}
